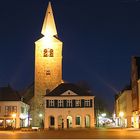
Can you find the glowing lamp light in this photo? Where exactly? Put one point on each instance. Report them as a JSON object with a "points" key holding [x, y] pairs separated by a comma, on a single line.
{"points": [[103, 114], [14, 115], [121, 114], [40, 115], [8, 121]]}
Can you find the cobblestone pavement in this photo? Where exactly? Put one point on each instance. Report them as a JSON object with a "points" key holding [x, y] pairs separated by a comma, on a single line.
{"points": [[88, 133]]}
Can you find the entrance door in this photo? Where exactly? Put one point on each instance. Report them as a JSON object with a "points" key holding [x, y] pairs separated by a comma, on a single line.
{"points": [[87, 121], [52, 121], [60, 122], [69, 122]]}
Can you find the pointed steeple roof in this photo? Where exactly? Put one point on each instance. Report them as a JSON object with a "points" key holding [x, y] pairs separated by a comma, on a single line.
{"points": [[49, 27]]}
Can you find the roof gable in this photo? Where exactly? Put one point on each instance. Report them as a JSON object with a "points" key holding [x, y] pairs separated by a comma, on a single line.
{"points": [[69, 93], [9, 94], [63, 89]]}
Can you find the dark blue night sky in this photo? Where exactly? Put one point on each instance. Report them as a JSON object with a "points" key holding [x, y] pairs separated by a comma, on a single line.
{"points": [[99, 36]]}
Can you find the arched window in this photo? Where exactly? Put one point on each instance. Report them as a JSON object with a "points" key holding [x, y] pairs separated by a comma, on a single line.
{"points": [[78, 120], [52, 120], [87, 121], [48, 52]]}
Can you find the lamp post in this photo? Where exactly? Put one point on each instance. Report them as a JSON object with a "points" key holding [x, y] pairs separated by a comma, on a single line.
{"points": [[121, 114], [14, 119]]}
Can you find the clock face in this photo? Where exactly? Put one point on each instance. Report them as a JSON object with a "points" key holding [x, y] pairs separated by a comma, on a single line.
{"points": [[48, 52]]}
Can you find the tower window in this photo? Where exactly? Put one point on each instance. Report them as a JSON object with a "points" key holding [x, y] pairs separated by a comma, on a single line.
{"points": [[48, 72], [48, 52]]}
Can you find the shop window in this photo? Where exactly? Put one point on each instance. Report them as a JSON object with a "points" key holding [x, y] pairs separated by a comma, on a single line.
{"points": [[1, 122]]}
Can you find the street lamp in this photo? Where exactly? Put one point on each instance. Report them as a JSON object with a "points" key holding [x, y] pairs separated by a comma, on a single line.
{"points": [[40, 115], [103, 114], [14, 119], [121, 114]]}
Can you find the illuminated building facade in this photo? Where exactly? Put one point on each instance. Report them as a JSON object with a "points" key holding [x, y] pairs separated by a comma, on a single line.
{"points": [[13, 111], [48, 78], [135, 76], [69, 106], [123, 109]]}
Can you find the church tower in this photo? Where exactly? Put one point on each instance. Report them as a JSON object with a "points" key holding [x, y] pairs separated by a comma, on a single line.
{"points": [[48, 65]]}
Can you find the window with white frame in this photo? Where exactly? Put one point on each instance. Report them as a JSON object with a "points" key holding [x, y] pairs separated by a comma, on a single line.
{"points": [[78, 120], [69, 103], [77, 103], [87, 103], [51, 103], [60, 103], [10, 109]]}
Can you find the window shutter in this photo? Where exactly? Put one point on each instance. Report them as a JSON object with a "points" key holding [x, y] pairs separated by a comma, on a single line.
{"points": [[91, 103], [73, 103], [55, 103], [82, 103], [65, 103], [47, 103]]}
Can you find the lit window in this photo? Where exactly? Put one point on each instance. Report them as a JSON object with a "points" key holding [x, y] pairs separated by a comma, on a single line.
{"points": [[87, 103], [10, 109], [51, 103], [78, 103], [60, 103], [69, 103], [1, 122], [48, 52]]}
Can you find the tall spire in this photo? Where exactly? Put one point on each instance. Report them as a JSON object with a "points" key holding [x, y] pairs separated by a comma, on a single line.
{"points": [[49, 28]]}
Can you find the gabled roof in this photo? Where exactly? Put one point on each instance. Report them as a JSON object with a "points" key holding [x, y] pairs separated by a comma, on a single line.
{"points": [[28, 93], [69, 86], [9, 94]]}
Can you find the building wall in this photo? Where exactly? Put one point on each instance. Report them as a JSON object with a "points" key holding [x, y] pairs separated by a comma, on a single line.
{"points": [[134, 79], [124, 104], [73, 112], [19, 114]]}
